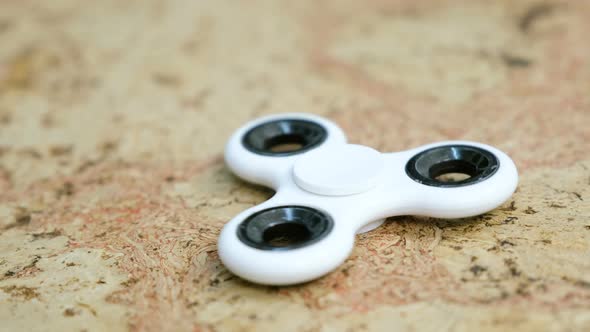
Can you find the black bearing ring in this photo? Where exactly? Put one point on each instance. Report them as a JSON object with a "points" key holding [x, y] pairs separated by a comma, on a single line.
{"points": [[284, 228], [304, 134], [478, 163]]}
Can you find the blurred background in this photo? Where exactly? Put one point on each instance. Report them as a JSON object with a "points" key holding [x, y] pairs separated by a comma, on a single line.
{"points": [[114, 115]]}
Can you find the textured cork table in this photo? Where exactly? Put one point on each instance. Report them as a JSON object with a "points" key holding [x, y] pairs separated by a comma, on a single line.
{"points": [[113, 119]]}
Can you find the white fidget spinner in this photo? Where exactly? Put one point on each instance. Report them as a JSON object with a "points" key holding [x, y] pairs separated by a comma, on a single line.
{"points": [[327, 191]]}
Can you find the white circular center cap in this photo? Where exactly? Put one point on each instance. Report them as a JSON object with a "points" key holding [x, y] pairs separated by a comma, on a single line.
{"points": [[343, 170]]}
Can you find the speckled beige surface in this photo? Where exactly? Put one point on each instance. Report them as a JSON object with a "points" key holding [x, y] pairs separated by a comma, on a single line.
{"points": [[113, 118]]}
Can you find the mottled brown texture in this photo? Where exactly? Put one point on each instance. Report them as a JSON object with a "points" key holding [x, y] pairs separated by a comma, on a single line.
{"points": [[113, 118]]}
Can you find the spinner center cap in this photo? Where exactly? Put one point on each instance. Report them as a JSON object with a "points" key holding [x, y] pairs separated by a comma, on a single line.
{"points": [[343, 170]]}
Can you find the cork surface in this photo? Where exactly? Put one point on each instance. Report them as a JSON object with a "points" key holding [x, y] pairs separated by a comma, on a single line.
{"points": [[113, 118]]}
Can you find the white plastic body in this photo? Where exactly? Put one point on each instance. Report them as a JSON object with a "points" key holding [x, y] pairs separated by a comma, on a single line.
{"points": [[361, 203]]}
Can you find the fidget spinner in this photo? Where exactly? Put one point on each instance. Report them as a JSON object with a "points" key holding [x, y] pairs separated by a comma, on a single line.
{"points": [[328, 190]]}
